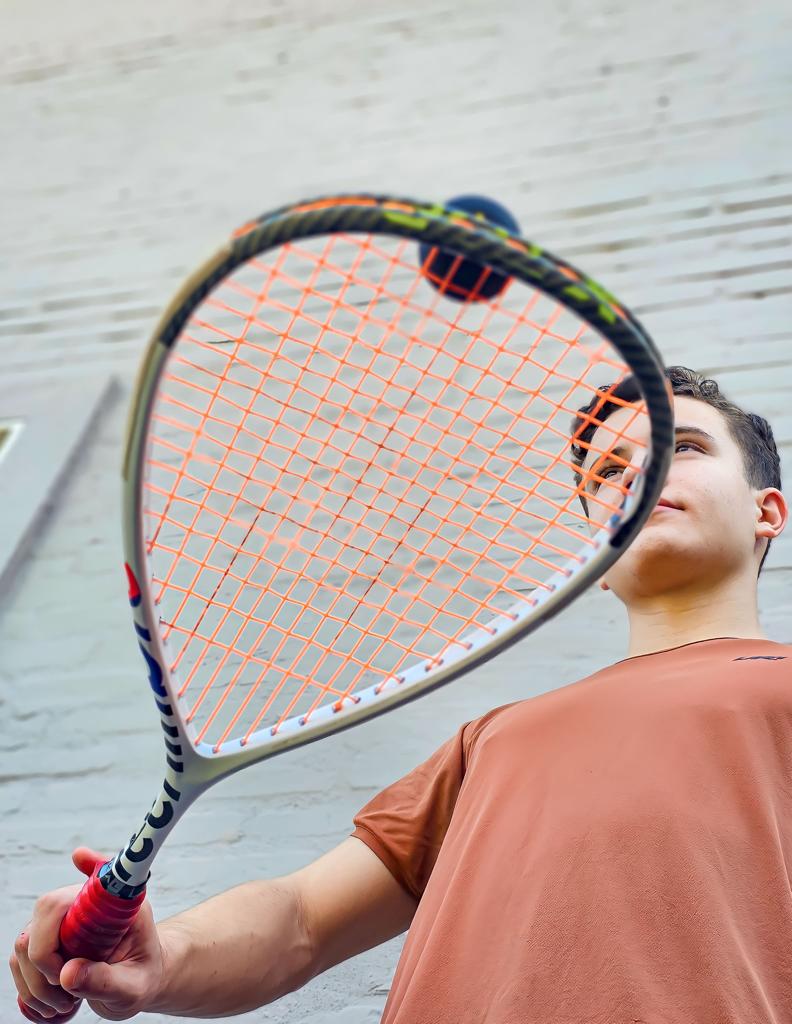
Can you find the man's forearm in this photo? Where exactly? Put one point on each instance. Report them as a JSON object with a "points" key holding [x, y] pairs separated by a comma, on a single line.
{"points": [[236, 951]]}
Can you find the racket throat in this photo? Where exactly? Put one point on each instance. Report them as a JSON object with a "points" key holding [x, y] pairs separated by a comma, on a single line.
{"points": [[128, 872]]}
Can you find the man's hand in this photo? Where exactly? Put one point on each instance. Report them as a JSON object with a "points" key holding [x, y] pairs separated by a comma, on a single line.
{"points": [[238, 950], [50, 985]]}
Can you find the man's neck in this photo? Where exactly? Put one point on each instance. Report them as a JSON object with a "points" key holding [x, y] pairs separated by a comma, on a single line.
{"points": [[685, 616]]}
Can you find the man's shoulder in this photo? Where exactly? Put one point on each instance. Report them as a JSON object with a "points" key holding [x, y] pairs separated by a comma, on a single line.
{"points": [[516, 713], [527, 706], [609, 679]]}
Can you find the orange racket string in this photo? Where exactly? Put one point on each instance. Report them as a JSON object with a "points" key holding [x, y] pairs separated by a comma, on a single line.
{"points": [[198, 433], [428, 627], [198, 532], [221, 379], [331, 311], [356, 460], [230, 494], [295, 313], [260, 299], [232, 682], [305, 682], [555, 549], [461, 461], [497, 538], [361, 600]]}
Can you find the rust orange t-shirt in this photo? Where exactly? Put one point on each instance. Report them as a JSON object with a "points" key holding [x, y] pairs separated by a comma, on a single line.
{"points": [[618, 850]]}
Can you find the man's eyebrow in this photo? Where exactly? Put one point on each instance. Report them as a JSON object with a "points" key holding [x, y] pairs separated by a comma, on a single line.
{"points": [[619, 452], [694, 432]]}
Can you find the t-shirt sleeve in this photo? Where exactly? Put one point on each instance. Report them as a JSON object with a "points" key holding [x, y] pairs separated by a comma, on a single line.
{"points": [[406, 823]]}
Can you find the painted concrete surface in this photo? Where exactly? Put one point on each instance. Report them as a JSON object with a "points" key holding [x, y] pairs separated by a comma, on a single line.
{"points": [[651, 146]]}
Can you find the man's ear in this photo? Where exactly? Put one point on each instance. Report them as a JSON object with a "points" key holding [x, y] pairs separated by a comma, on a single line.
{"points": [[772, 513]]}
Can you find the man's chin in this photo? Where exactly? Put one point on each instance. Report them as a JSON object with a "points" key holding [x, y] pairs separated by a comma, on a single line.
{"points": [[658, 560]]}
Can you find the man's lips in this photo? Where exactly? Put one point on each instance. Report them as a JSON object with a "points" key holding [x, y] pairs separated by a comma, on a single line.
{"points": [[665, 503]]}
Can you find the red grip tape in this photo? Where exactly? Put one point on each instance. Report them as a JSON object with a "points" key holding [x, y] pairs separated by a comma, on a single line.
{"points": [[97, 921]]}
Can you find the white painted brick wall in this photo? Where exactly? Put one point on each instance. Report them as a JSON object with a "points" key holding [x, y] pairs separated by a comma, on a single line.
{"points": [[650, 143]]}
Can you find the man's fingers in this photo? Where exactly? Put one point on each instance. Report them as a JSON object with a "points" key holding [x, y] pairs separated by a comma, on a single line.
{"points": [[74, 973], [40, 996], [48, 914], [24, 992], [85, 859], [115, 991], [38, 1018], [106, 982], [38, 948], [39, 982], [36, 962]]}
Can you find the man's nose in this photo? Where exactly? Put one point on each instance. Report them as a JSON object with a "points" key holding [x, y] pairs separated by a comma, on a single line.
{"points": [[634, 469]]}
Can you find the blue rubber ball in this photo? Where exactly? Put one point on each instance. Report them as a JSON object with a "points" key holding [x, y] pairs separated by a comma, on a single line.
{"points": [[470, 281]]}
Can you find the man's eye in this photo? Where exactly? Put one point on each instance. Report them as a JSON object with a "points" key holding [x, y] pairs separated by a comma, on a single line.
{"points": [[606, 473], [687, 444]]}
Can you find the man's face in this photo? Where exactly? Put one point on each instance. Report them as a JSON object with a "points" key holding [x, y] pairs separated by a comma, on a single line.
{"points": [[703, 528]]}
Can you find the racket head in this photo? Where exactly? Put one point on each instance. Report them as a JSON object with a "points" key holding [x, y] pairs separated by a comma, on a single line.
{"points": [[310, 408]]}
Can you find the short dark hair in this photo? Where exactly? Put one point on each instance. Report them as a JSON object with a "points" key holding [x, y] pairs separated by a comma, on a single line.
{"points": [[752, 434]]}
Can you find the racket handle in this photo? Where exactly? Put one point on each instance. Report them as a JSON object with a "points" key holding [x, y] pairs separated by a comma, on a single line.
{"points": [[92, 928], [97, 921]]}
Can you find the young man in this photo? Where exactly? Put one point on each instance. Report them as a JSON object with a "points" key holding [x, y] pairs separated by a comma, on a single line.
{"points": [[614, 850]]}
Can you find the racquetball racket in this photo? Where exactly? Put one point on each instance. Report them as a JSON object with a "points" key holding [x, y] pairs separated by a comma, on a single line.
{"points": [[348, 480]]}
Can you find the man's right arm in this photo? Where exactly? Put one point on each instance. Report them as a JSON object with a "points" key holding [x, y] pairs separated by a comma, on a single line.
{"points": [[250, 945], [239, 950]]}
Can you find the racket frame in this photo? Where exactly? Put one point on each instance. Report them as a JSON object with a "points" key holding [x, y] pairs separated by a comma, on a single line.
{"points": [[192, 768]]}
